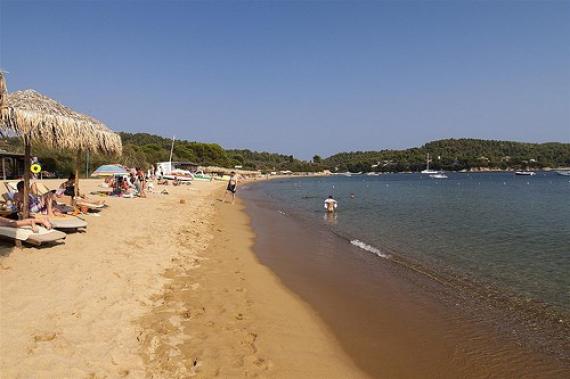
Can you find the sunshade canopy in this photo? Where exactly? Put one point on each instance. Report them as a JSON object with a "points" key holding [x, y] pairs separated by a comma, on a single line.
{"points": [[110, 170], [46, 121]]}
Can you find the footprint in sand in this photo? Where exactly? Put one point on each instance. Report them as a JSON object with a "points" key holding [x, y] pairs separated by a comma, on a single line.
{"points": [[45, 337]]}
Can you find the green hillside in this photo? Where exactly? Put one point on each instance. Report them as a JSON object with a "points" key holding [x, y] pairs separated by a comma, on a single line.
{"points": [[457, 154]]}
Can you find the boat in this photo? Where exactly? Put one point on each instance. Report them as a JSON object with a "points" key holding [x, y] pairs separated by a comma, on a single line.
{"points": [[178, 171], [200, 175], [427, 171], [525, 173], [563, 172], [174, 171], [433, 173]]}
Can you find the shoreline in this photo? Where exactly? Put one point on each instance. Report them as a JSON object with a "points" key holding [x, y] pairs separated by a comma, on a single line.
{"points": [[230, 316], [419, 305]]}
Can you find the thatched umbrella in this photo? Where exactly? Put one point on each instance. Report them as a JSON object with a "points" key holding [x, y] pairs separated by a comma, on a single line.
{"points": [[36, 117]]}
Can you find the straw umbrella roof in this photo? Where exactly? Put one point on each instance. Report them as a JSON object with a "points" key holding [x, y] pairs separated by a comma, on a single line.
{"points": [[53, 124]]}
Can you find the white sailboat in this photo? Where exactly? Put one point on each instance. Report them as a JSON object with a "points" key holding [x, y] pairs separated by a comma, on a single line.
{"points": [[427, 170]]}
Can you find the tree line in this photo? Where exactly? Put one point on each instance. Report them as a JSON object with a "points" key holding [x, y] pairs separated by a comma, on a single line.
{"points": [[143, 150], [456, 155]]}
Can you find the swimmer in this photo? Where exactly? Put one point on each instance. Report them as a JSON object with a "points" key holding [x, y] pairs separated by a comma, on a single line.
{"points": [[330, 204]]}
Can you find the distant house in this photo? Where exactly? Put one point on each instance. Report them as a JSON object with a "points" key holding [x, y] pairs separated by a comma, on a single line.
{"points": [[11, 165]]}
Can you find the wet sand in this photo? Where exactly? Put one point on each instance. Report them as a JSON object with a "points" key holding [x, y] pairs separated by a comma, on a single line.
{"points": [[393, 323], [223, 314]]}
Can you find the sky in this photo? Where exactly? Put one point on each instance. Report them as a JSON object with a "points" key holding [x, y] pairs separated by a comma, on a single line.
{"points": [[300, 77]]}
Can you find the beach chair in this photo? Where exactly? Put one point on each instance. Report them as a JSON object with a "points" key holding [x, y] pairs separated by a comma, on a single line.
{"points": [[42, 188], [27, 235], [11, 187], [64, 222]]}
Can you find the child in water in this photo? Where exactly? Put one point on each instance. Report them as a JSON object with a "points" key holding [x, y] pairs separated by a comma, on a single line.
{"points": [[330, 204]]}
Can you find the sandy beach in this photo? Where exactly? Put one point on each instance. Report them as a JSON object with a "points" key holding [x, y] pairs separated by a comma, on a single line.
{"points": [[158, 287]]}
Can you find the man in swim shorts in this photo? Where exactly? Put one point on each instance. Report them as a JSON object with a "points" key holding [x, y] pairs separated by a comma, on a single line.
{"points": [[232, 186]]}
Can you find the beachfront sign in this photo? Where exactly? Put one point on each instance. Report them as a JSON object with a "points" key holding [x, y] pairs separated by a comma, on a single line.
{"points": [[35, 168]]}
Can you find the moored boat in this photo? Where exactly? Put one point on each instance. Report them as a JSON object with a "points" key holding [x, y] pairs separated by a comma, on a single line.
{"points": [[427, 171], [525, 173]]}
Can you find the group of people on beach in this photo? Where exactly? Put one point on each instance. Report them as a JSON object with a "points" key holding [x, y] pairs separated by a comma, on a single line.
{"points": [[50, 203], [60, 201], [133, 185]]}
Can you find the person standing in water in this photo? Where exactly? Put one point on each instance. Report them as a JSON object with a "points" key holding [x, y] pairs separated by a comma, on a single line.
{"points": [[330, 204], [232, 185]]}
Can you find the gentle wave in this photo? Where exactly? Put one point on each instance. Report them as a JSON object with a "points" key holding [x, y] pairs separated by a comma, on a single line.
{"points": [[369, 248]]}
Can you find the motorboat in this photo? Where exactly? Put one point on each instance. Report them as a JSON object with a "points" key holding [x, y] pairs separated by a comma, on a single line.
{"points": [[525, 173], [439, 175]]}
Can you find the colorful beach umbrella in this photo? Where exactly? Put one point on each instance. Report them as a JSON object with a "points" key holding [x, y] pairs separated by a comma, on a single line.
{"points": [[110, 170]]}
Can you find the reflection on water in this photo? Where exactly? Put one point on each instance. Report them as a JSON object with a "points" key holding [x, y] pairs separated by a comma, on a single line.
{"points": [[330, 217]]}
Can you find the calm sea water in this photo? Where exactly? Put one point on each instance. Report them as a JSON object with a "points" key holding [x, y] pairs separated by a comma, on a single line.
{"points": [[508, 232]]}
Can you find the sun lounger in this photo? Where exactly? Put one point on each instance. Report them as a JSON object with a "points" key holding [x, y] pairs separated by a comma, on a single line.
{"points": [[65, 222], [25, 234]]}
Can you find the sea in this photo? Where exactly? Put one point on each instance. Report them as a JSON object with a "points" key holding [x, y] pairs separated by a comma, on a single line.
{"points": [[498, 238]]}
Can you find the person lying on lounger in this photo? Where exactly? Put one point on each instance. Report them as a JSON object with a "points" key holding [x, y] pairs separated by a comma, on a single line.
{"points": [[44, 204], [67, 188], [26, 222]]}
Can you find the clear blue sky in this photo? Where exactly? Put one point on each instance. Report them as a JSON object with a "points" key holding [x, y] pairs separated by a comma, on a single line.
{"points": [[300, 77]]}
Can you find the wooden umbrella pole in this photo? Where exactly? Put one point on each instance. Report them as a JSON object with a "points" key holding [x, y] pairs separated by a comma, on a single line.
{"points": [[27, 164], [77, 166]]}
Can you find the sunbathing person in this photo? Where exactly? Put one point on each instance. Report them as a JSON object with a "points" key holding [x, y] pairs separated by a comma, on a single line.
{"points": [[67, 188], [44, 204], [109, 182], [26, 222]]}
